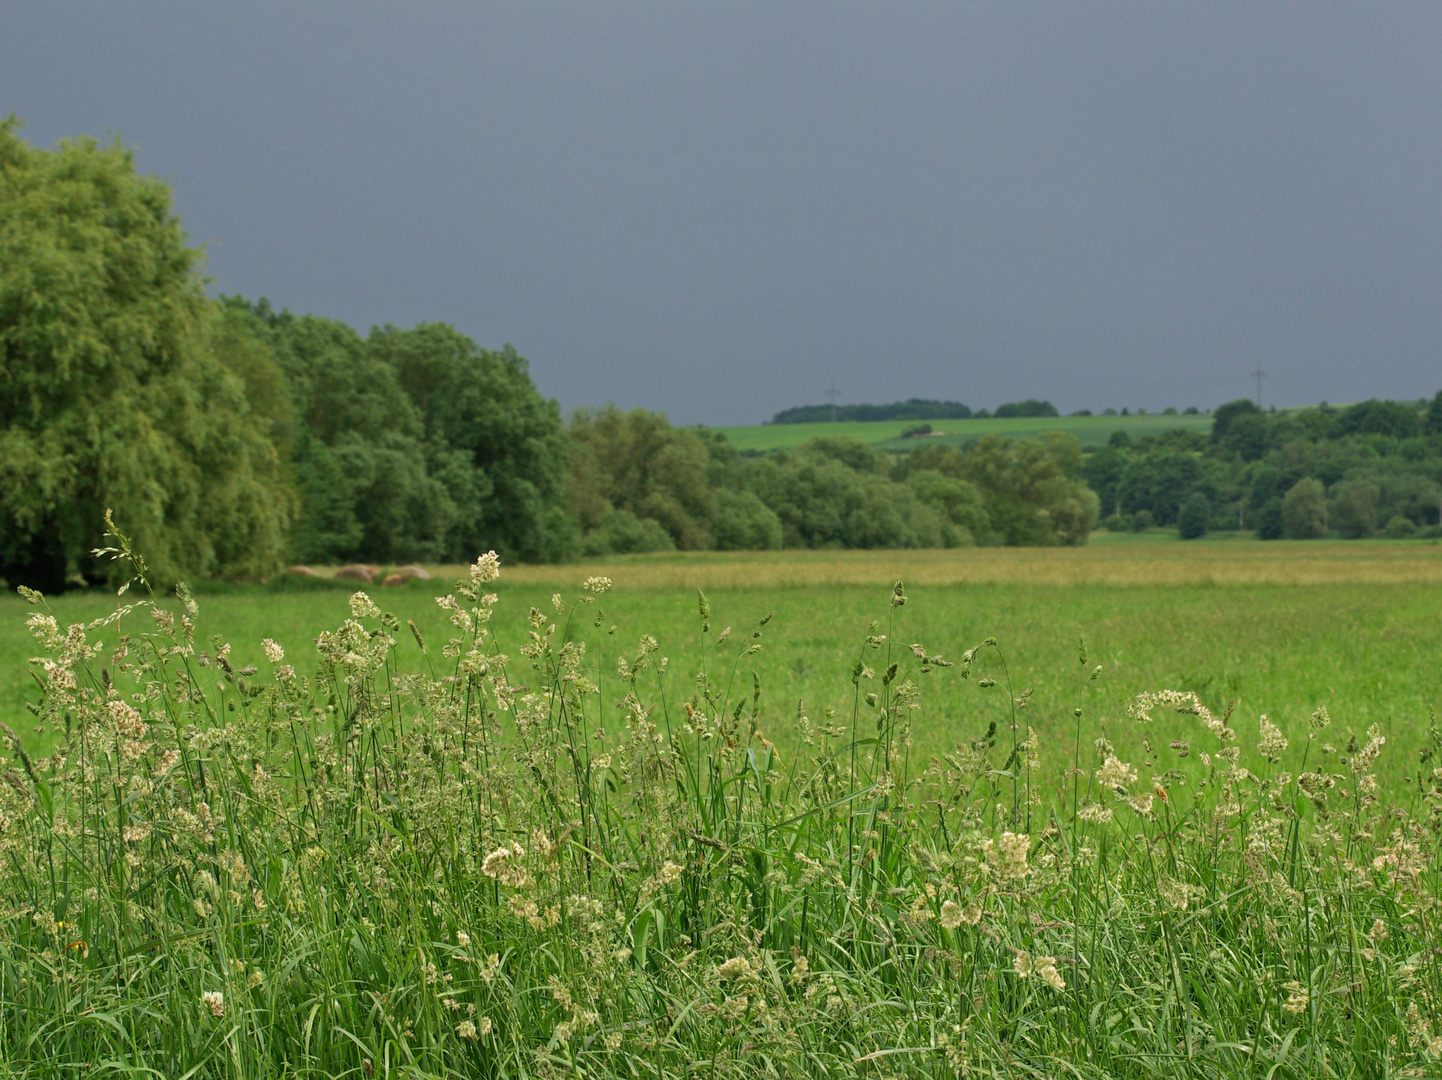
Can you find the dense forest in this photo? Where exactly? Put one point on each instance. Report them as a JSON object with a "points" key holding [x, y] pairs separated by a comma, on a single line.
{"points": [[1374, 467], [230, 438]]}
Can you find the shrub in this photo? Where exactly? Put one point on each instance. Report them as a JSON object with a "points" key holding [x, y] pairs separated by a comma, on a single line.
{"points": [[1268, 520], [1195, 516], [1353, 510], [1400, 528], [744, 523], [1142, 520], [621, 532]]}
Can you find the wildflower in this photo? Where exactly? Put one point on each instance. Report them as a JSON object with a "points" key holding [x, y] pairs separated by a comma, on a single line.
{"points": [[1046, 968], [1115, 773], [214, 1000], [135, 834], [254, 979], [467, 1030], [596, 585], [1379, 931], [363, 607], [273, 652], [951, 915], [463, 939], [483, 1026], [1022, 963]]}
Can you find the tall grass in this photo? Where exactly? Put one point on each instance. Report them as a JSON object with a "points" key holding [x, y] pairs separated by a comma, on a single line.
{"points": [[484, 868]]}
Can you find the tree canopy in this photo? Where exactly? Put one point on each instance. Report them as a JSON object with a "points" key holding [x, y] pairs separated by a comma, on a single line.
{"points": [[111, 391]]}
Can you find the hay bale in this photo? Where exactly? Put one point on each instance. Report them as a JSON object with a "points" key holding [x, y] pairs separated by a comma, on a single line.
{"points": [[302, 571], [357, 572], [404, 575]]}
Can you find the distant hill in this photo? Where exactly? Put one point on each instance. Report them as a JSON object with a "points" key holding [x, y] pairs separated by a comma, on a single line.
{"points": [[915, 409]]}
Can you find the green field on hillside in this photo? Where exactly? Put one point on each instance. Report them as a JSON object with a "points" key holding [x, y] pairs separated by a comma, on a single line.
{"points": [[1091, 430]]}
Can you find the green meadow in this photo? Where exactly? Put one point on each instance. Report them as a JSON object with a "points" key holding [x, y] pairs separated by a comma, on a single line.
{"points": [[1271, 628], [805, 822]]}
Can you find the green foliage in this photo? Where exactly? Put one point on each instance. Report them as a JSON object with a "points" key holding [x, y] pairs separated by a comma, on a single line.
{"points": [[482, 407], [1158, 482], [744, 523], [1226, 415], [1268, 520], [1353, 510], [1194, 517], [120, 386], [637, 462], [1395, 419], [1304, 510], [966, 521], [1032, 490], [1029, 407], [833, 491], [1375, 461], [414, 444], [823, 499], [914, 409], [620, 532], [1400, 528]]}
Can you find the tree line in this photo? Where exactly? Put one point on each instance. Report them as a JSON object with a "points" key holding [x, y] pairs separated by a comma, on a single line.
{"points": [[1367, 469], [230, 438], [911, 409]]}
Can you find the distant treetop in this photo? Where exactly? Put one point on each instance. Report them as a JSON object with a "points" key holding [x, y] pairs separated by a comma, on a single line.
{"points": [[1029, 407], [914, 409]]}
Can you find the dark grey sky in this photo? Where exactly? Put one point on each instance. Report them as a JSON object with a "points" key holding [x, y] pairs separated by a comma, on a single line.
{"points": [[716, 210]]}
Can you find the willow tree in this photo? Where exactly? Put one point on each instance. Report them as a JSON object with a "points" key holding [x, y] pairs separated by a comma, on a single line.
{"points": [[111, 393]]}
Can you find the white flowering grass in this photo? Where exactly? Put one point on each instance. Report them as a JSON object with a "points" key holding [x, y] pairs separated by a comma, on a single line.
{"points": [[487, 869]]}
